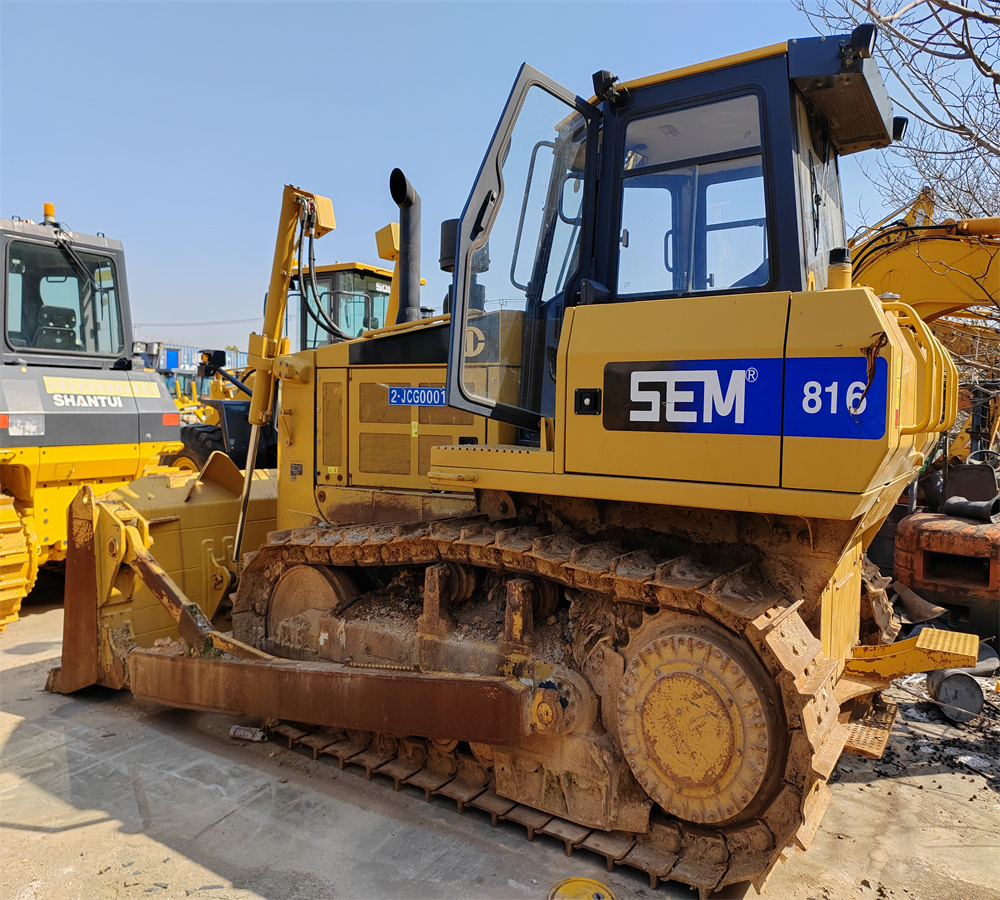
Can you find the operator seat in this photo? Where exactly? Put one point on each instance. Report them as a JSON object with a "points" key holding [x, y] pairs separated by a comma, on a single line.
{"points": [[56, 329]]}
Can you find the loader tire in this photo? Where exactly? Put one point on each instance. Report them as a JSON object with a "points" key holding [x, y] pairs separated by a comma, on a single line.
{"points": [[200, 441]]}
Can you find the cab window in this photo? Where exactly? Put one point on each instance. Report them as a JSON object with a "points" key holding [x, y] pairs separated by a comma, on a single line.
{"points": [[354, 301], [56, 302], [693, 213]]}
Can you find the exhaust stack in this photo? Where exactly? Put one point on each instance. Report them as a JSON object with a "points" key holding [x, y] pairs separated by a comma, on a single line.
{"points": [[408, 201]]}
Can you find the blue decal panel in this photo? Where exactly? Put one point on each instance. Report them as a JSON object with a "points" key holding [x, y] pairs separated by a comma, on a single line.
{"points": [[694, 396], [830, 398], [822, 397], [416, 396]]}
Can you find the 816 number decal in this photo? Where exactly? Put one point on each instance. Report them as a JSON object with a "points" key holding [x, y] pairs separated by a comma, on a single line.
{"points": [[813, 401], [830, 397]]}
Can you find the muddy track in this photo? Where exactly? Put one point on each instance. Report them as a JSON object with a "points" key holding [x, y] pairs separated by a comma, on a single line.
{"points": [[793, 796], [18, 566]]}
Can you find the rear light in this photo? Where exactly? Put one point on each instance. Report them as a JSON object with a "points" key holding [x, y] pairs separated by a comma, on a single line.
{"points": [[170, 419], [4, 420]]}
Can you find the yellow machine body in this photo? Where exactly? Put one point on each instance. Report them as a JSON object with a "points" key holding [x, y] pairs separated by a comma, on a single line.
{"points": [[359, 451], [189, 518], [38, 484], [614, 589], [75, 409]]}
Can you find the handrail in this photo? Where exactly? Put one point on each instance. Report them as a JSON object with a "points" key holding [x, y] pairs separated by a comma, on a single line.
{"points": [[951, 408], [934, 383]]}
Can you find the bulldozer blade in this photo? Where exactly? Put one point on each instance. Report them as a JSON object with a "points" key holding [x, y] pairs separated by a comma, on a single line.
{"points": [[444, 707], [79, 668]]}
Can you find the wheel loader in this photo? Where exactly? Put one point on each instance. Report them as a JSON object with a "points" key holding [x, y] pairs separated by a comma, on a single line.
{"points": [[75, 407], [585, 553]]}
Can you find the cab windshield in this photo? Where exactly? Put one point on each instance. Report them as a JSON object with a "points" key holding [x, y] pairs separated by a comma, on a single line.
{"points": [[693, 208], [55, 305]]}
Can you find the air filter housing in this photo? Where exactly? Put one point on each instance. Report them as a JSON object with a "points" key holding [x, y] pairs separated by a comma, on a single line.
{"points": [[838, 77]]}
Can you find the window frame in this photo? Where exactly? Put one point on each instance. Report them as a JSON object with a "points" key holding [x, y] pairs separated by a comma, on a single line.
{"points": [[475, 226], [78, 358], [693, 101]]}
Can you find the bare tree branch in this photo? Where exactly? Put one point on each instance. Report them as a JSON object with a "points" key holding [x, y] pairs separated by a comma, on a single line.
{"points": [[942, 61]]}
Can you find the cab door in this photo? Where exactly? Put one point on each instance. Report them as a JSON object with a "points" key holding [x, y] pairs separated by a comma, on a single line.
{"points": [[516, 270], [678, 375]]}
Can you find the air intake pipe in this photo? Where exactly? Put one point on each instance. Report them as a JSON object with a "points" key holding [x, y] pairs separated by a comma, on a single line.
{"points": [[408, 201]]}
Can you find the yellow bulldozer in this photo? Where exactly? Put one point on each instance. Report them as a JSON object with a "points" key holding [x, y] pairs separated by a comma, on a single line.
{"points": [[76, 407], [586, 552], [340, 299]]}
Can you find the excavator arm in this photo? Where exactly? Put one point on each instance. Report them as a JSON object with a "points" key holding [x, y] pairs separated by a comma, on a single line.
{"points": [[949, 273]]}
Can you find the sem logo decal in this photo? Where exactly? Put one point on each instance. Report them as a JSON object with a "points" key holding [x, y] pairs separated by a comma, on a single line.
{"points": [[705, 396], [798, 397], [677, 404]]}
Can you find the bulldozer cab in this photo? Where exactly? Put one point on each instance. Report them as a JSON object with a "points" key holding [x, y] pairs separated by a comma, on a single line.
{"points": [[68, 375], [62, 299], [354, 296], [718, 179]]}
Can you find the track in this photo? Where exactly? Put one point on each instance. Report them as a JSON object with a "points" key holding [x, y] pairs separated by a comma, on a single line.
{"points": [[774, 794], [18, 565]]}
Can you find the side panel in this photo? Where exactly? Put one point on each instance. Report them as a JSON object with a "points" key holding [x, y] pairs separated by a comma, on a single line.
{"points": [[831, 336], [61, 407], [690, 389], [297, 454], [153, 401], [389, 443]]}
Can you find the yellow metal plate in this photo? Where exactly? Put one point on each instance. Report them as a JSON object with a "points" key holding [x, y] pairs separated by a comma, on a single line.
{"points": [[929, 650], [607, 342], [870, 736]]}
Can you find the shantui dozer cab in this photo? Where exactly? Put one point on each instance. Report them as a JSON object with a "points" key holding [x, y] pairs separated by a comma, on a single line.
{"points": [[612, 590]]}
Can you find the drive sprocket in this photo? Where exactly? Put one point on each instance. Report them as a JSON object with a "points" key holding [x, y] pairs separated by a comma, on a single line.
{"points": [[699, 720]]}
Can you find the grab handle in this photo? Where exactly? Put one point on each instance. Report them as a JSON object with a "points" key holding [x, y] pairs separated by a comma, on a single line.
{"points": [[934, 383]]}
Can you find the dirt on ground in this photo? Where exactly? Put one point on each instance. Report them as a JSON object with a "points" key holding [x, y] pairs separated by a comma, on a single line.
{"points": [[103, 797]]}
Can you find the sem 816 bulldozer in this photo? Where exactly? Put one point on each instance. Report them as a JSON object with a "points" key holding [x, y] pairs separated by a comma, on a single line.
{"points": [[74, 409], [586, 552]]}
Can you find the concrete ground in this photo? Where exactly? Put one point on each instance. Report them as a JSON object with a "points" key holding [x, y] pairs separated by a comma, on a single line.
{"points": [[102, 797]]}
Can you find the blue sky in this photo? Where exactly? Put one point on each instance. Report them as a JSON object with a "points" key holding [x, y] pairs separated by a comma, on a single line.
{"points": [[173, 126]]}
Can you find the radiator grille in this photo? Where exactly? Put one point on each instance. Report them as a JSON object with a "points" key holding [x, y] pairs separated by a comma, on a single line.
{"points": [[424, 444], [443, 415], [374, 405], [384, 454], [333, 424]]}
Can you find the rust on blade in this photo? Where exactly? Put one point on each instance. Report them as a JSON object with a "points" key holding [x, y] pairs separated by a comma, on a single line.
{"points": [[443, 707], [79, 667]]}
